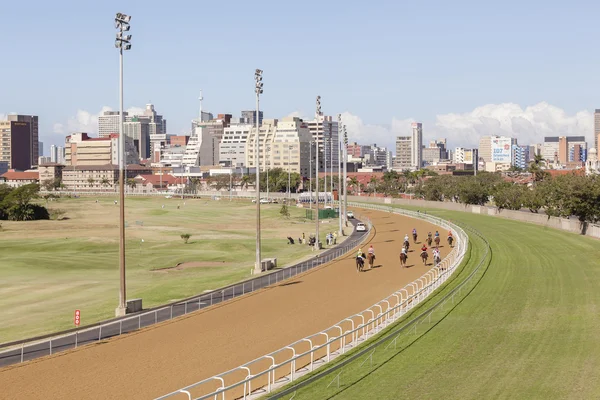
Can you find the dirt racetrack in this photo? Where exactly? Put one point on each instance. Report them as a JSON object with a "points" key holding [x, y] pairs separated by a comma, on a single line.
{"points": [[168, 356]]}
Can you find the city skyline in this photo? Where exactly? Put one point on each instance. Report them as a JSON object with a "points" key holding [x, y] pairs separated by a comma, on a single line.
{"points": [[469, 79]]}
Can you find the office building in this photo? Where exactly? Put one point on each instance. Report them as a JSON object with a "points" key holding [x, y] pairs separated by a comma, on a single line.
{"points": [[354, 150], [249, 117], [325, 130], [520, 156], [32, 120], [181, 140], [465, 156], [562, 150], [485, 148], [15, 144], [409, 149], [232, 148], [82, 150], [40, 149], [109, 122], [138, 129], [104, 177], [282, 144]]}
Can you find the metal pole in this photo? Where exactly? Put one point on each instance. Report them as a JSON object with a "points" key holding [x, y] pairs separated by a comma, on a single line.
{"points": [[340, 208], [318, 114], [310, 176], [345, 164], [258, 90], [267, 168], [289, 173], [122, 294], [331, 158], [325, 165], [230, 185]]}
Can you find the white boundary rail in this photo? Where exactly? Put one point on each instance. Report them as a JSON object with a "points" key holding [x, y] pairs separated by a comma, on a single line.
{"points": [[29, 349], [264, 374]]}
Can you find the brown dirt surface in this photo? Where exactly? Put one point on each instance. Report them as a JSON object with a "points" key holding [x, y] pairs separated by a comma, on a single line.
{"points": [[165, 357]]}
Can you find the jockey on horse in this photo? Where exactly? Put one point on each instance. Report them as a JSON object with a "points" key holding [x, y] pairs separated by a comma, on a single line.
{"points": [[371, 256], [406, 242], [360, 260], [424, 254], [414, 234]]}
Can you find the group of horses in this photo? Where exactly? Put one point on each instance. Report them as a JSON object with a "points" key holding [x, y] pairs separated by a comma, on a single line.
{"points": [[360, 262]]}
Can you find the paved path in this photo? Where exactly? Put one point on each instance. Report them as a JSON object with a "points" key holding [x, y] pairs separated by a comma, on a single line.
{"points": [[176, 353]]}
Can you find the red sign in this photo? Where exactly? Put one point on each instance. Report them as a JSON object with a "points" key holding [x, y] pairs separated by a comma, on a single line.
{"points": [[77, 317]]}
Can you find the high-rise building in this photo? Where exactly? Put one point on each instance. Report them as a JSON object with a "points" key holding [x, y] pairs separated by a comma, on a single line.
{"points": [[41, 149], [520, 155], [465, 156], [109, 122], [283, 144], [596, 128], [53, 154], [354, 150], [409, 149], [325, 130], [84, 150], [138, 129], [249, 117], [485, 148], [32, 120], [15, 144], [560, 150], [232, 148]]}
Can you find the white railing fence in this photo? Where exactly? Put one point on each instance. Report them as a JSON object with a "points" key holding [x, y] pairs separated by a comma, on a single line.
{"points": [[264, 374]]}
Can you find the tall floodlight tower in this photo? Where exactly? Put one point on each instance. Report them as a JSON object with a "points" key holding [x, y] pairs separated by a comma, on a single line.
{"points": [[258, 89], [340, 208], [318, 117], [123, 43], [345, 149]]}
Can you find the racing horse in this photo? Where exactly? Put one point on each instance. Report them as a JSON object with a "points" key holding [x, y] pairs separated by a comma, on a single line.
{"points": [[406, 245], [437, 241], [450, 240], [403, 258], [437, 259], [415, 237], [424, 257], [371, 259], [429, 240], [360, 264]]}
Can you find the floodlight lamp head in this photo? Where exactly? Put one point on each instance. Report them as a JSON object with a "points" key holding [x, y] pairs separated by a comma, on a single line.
{"points": [[128, 46], [259, 71]]}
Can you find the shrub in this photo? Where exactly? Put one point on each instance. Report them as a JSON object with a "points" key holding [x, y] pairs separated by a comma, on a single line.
{"points": [[186, 237]]}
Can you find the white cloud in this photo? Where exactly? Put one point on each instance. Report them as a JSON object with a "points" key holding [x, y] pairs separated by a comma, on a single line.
{"points": [[85, 121], [298, 114], [382, 135], [528, 125]]}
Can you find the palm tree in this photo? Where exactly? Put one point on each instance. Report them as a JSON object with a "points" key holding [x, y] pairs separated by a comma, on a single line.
{"points": [[246, 181], [104, 182], [536, 168], [354, 183], [373, 182], [91, 181], [131, 183]]}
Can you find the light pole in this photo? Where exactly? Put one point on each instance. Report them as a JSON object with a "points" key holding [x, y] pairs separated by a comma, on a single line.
{"points": [[310, 174], [318, 115], [230, 176], [289, 174], [345, 161], [331, 159], [268, 155], [122, 42], [325, 166], [258, 89], [339, 145]]}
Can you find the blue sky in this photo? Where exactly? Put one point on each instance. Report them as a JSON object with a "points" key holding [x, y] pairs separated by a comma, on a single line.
{"points": [[452, 65]]}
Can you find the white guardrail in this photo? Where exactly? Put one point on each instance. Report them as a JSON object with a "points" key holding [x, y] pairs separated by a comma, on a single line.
{"points": [[272, 371]]}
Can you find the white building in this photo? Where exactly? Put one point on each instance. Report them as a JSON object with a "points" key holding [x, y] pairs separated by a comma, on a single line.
{"points": [[465, 156], [592, 165], [409, 149], [232, 148], [282, 144], [325, 130], [108, 123]]}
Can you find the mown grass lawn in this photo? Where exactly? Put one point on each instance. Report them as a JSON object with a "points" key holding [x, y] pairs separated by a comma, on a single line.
{"points": [[50, 268], [529, 330]]}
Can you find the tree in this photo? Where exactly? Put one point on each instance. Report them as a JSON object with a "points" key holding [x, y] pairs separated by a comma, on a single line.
{"points": [[247, 180], [131, 183], [572, 195], [284, 211], [15, 204], [91, 181], [353, 182], [536, 168], [186, 237], [104, 182], [509, 195]]}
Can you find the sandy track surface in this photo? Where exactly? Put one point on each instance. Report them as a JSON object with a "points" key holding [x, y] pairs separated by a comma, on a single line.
{"points": [[168, 356]]}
